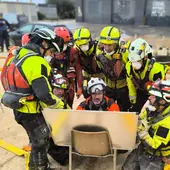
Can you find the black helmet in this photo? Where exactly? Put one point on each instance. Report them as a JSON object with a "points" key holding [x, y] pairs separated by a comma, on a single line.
{"points": [[50, 37]]}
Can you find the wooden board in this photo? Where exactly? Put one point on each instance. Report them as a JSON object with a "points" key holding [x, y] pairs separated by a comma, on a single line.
{"points": [[122, 126]]}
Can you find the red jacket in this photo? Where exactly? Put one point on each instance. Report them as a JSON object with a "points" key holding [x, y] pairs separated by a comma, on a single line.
{"points": [[70, 60]]}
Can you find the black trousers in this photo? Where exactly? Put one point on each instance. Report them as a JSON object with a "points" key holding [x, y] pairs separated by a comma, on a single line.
{"points": [[141, 99], [4, 38], [41, 143], [121, 96]]}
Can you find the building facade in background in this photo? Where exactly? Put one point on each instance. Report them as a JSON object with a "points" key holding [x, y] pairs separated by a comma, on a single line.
{"points": [[137, 12], [49, 10], [28, 9]]}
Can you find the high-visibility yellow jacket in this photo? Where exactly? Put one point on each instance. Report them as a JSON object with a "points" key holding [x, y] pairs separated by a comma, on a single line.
{"points": [[36, 71], [139, 79], [157, 141]]}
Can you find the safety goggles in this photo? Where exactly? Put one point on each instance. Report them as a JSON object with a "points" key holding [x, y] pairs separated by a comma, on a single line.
{"points": [[61, 83]]}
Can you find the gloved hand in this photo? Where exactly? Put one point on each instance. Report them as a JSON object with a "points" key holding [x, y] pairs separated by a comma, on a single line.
{"points": [[79, 93], [147, 85], [132, 99], [143, 133], [143, 128], [58, 105], [85, 85]]}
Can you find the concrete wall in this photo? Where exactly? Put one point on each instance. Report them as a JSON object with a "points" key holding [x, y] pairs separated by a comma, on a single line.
{"points": [[97, 11], [49, 10], [79, 10], [158, 13], [139, 12], [28, 9], [123, 11]]}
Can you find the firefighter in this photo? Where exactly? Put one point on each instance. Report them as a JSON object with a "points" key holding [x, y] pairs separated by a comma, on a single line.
{"points": [[111, 59], [153, 131], [86, 48], [97, 99], [28, 91], [142, 70], [60, 88], [67, 64]]}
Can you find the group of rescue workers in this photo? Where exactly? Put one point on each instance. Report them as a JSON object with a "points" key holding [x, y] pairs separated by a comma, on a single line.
{"points": [[113, 75]]}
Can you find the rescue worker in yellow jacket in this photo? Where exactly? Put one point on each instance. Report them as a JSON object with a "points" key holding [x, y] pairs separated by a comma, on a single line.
{"points": [[142, 70], [111, 59], [86, 48], [28, 91], [153, 131]]}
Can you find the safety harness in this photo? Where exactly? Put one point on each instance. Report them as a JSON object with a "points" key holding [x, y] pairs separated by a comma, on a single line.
{"points": [[113, 69], [138, 82], [86, 61]]}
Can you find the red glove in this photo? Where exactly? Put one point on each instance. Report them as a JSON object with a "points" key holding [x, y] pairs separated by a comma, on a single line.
{"points": [[148, 84]]}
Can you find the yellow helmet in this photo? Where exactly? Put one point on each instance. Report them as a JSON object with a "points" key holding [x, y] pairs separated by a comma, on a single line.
{"points": [[82, 36], [109, 35]]}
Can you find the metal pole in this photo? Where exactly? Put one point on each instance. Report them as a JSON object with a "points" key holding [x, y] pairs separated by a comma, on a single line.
{"points": [[115, 159]]}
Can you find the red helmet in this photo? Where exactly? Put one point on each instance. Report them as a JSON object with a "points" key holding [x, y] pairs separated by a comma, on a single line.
{"points": [[25, 39], [63, 33]]}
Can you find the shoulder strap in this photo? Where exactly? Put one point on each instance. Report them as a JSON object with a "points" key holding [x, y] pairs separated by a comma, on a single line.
{"points": [[140, 83], [20, 61], [67, 55], [159, 118]]}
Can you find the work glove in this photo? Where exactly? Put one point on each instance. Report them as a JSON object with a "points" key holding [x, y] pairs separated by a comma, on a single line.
{"points": [[79, 93], [58, 105], [143, 133], [143, 128], [132, 99], [143, 125], [85, 85], [147, 85]]}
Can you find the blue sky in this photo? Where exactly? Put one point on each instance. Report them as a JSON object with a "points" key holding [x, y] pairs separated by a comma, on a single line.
{"points": [[34, 1]]}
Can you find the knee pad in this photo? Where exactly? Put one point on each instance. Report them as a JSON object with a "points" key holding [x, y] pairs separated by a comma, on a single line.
{"points": [[42, 134]]}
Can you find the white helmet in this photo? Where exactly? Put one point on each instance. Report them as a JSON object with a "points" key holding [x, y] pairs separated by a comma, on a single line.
{"points": [[59, 81], [138, 49], [95, 84], [161, 88], [49, 36]]}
